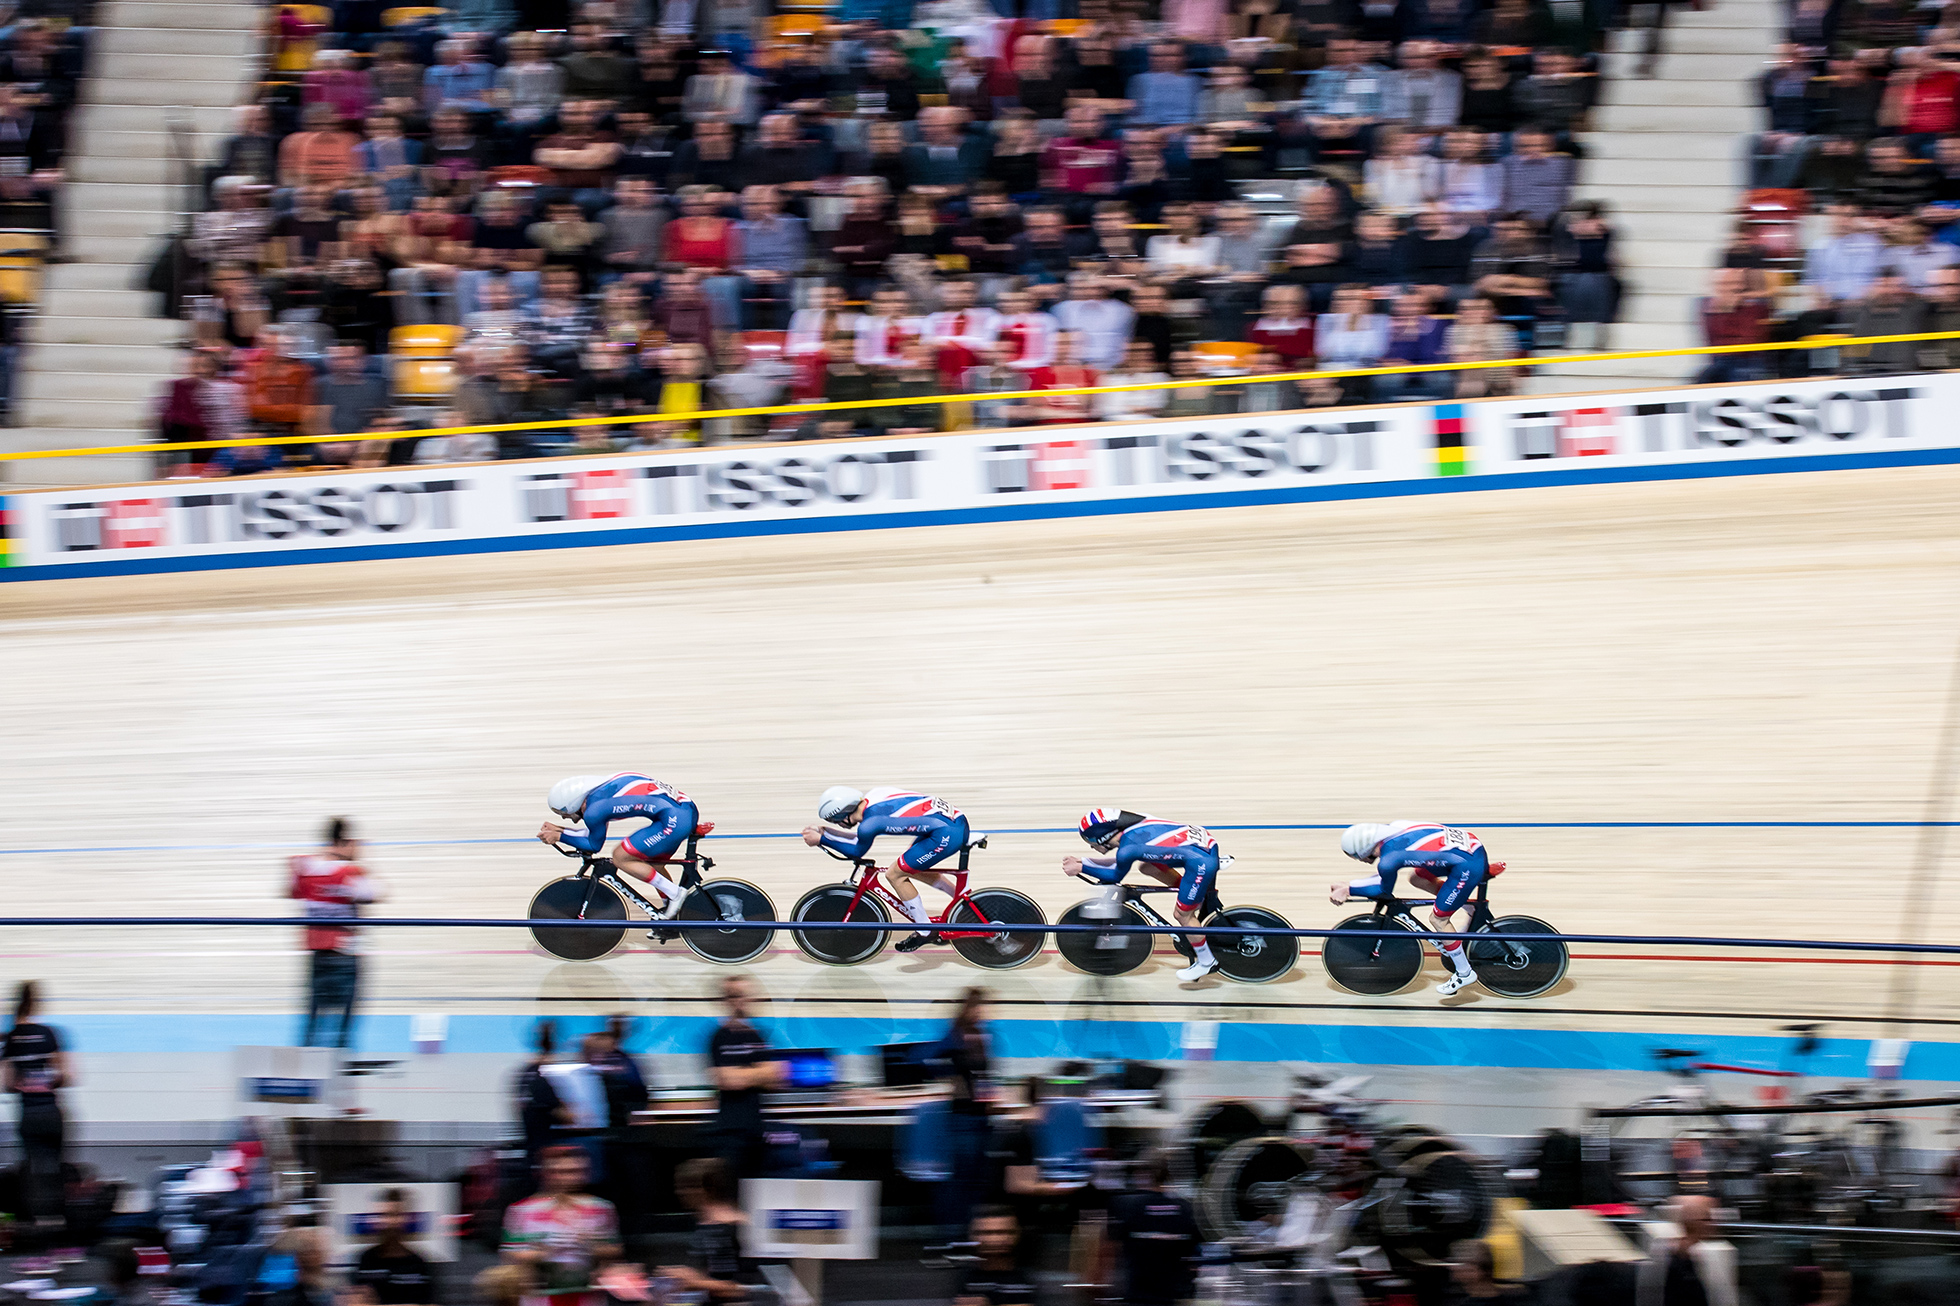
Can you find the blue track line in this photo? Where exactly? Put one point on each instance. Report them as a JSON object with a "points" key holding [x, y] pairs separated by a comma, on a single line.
{"points": [[1040, 829]]}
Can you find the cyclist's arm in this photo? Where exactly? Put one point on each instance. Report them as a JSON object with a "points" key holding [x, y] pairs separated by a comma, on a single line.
{"points": [[868, 830], [1373, 886], [597, 817], [1104, 863]]}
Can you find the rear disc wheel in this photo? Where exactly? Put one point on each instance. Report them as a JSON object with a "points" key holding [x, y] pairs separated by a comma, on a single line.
{"points": [[1254, 958], [1002, 951], [1517, 968], [577, 898], [728, 900]]}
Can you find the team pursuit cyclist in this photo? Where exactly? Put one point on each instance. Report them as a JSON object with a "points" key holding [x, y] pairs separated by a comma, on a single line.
{"points": [[937, 828], [1451, 861], [1170, 853], [596, 800]]}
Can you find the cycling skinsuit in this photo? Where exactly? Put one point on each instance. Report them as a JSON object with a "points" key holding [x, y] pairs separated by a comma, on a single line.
{"points": [[1456, 857], [1188, 849], [623, 797], [938, 828]]}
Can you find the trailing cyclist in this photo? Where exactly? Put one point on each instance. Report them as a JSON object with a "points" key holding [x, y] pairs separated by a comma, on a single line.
{"points": [[597, 800], [938, 831], [1170, 853], [1440, 858]]}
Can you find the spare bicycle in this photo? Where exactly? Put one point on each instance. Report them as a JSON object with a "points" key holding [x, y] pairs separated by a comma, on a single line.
{"points": [[1386, 963], [1248, 958], [963, 923], [598, 892]]}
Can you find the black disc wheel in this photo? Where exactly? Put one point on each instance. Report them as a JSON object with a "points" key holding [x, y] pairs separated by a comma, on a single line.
{"points": [[728, 900], [828, 905], [1443, 1197], [1004, 950], [1517, 968], [577, 898], [1212, 1129], [1103, 954], [1253, 958], [1251, 1180], [1372, 965]]}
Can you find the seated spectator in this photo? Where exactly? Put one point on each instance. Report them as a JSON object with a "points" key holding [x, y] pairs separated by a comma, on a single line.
{"points": [[1261, 393], [278, 386], [710, 159], [1351, 334], [1323, 220], [394, 75], [1471, 186], [721, 93], [1316, 270], [675, 394], [202, 404], [1065, 372], [251, 152], [1285, 330], [1436, 253], [458, 80], [1344, 101], [1154, 326], [747, 379], [1559, 92], [1402, 178], [781, 158], [912, 378], [1182, 255], [884, 331], [1230, 104], [812, 328], [568, 239], [888, 86], [1793, 114], [392, 159], [1376, 255], [631, 236], [529, 86], [1014, 164], [865, 239], [1167, 95], [685, 313], [1028, 333], [1489, 95], [338, 84], [580, 155], [1514, 23], [1100, 325], [319, 154], [1423, 95], [558, 324], [500, 243], [1415, 337], [593, 70], [1894, 183], [995, 375], [945, 161], [1191, 400], [1914, 255], [1082, 164], [1730, 315], [1537, 182], [775, 247], [236, 231], [1840, 269], [1477, 336], [1512, 268], [1891, 309], [1139, 368], [455, 153]]}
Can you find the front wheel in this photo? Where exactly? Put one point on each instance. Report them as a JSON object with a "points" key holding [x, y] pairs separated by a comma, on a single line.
{"points": [[1103, 954], [1361, 964], [1253, 958], [1517, 968], [1002, 951], [728, 900], [829, 904], [577, 898]]}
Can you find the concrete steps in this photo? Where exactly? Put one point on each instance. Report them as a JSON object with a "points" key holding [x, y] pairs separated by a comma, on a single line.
{"points": [[122, 332], [163, 94], [179, 42]]}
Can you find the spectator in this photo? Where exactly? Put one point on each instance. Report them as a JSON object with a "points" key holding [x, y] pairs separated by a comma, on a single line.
{"points": [[996, 1276], [740, 1063], [1182, 255], [562, 1236], [347, 399], [319, 154], [1942, 297], [458, 80], [1558, 94], [1778, 154], [1437, 251], [1471, 187], [1682, 1269], [1029, 332], [1894, 183], [721, 93], [1402, 177], [592, 70], [1139, 369], [774, 249], [1101, 324], [1066, 372], [1477, 336], [1513, 268], [1423, 96], [1344, 100], [1352, 335], [1154, 1234], [580, 155], [913, 377], [1891, 309], [1285, 330], [1915, 255], [1536, 181], [966, 1055], [1083, 164], [393, 1273], [539, 1110], [716, 1265], [631, 231], [1490, 97], [37, 1069], [1415, 337], [334, 886], [201, 405], [945, 161], [1841, 268], [1730, 315], [1167, 95], [1473, 1277], [1588, 284], [336, 83], [995, 374], [529, 87], [251, 152]]}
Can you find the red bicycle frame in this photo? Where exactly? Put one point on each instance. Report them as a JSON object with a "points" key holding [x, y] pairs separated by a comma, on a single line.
{"points": [[868, 871]]}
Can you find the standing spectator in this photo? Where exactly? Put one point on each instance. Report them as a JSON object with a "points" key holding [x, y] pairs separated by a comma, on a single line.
{"points": [[1730, 315], [1536, 181], [740, 1061], [37, 1069], [1890, 310], [1588, 286], [562, 1235], [966, 1054], [333, 885], [1154, 1237], [539, 1110], [996, 1277], [1682, 1270], [394, 1273]]}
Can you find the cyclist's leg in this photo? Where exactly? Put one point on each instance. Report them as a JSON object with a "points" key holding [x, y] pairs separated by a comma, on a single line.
{"points": [[927, 851], [637, 852], [1455, 891], [1193, 888]]}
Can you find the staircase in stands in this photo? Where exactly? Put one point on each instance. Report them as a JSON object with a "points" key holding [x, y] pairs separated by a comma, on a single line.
{"points": [[96, 356], [1664, 155]]}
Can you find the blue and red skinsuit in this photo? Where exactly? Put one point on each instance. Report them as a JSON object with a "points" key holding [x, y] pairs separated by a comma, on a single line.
{"points": [[937, 828], [1188, 849], [1456, 857], [672, 813]]}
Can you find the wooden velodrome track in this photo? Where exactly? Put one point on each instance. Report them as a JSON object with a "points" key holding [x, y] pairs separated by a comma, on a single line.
{"points": [[1757, 649]]}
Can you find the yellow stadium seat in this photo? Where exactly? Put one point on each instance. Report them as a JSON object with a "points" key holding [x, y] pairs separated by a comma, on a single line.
{"points": [[1065, 26], [432, 341], [409, 14], [1225, 355], [795, 25], [424, 378], [21, 253]]}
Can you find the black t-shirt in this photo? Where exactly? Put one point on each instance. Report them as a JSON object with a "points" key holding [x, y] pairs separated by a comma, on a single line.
{"points": [[31, 1049], [716, 1250], [537, 1106], [1007, 1286], [1684, 1285], [398, 1278], [1156, 1237], [739, 1110]]}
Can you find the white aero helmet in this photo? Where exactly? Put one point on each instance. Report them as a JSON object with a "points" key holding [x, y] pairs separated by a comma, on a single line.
{"points": [[567, 797], [838, 802], [1361, 841]]}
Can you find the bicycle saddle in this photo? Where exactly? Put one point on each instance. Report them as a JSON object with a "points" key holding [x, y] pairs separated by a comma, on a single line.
{"points": [[976, 841], [703, 828], [1675, 1054]]}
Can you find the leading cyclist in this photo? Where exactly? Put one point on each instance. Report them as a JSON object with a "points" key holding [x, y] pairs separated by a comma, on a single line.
{"points": [[938, 828], [596, 800], [1170, 853], [1450, 861]]}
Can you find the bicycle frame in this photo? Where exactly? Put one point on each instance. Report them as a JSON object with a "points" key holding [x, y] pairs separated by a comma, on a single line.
{"points": [[867, 872], [601, 870], [1402, 909]]}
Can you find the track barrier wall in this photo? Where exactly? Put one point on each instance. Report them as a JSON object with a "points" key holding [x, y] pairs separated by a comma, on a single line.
{"points": [[978, 476]]}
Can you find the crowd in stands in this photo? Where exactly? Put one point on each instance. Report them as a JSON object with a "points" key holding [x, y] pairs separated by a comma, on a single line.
{"points": [[529, 211], [1852, 219]]}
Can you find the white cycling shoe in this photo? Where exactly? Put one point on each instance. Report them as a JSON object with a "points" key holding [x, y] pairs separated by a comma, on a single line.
{"points": [[1456, 984], [673, 907], [1196, 971]]}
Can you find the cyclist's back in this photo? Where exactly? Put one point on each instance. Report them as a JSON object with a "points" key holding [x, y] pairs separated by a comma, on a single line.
{"points": [[901, 812], [622, 798]]}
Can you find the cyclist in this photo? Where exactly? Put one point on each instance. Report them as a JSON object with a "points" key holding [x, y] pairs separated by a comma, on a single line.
{"points": [[597, 800], [938, 830], [1442, 858], [1171, 853]]}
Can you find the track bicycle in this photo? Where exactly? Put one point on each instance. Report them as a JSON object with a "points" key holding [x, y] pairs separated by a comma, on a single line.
{"points": [[597, 891], [1512, 968], [1248, 958], [963, 922]]}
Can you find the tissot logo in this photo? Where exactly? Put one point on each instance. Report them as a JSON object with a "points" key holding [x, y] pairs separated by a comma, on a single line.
{"points": [[1730, 422], [1160, 457], [812, 482], [283, 514]]}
